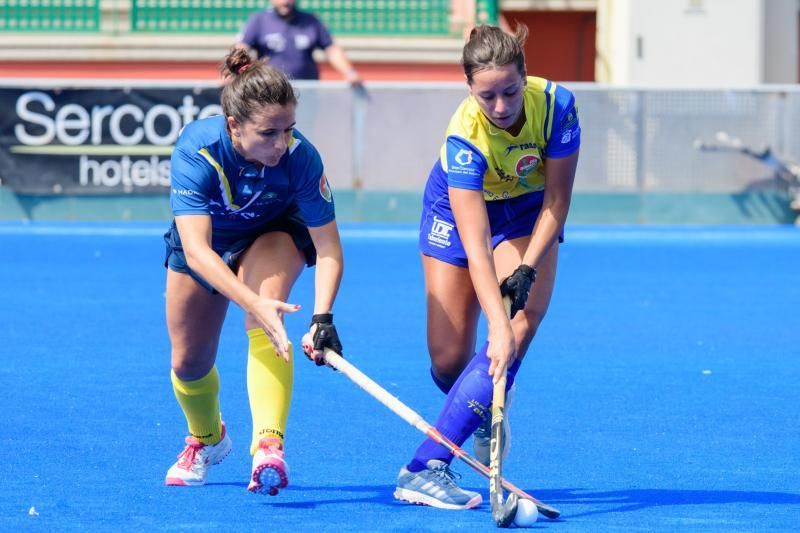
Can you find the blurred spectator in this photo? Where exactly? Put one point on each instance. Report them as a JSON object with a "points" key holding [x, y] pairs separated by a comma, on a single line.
{"points": [[286, 37]]}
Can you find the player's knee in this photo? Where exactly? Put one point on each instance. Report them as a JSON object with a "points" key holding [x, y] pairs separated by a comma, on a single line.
{"points": [[190, 364], [191, 371], [448, 364]]}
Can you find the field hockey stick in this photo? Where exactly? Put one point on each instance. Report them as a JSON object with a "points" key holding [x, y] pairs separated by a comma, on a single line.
{"points": [[503, 512], [786, 172], [414, 419]]}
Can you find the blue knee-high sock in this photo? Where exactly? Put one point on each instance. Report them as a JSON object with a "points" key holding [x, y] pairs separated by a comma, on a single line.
{"points": [[468, 401]]}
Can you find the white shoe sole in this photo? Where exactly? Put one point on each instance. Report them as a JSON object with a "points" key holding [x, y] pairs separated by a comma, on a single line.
{"points": [[267, 478], [419, 498]]}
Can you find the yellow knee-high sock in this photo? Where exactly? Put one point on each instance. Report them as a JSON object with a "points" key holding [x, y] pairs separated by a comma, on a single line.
{"points": [[269, 385], [199, 400]]}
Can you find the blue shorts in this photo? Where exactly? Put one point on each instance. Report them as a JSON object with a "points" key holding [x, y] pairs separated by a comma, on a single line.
{"points": [[231, 245], [438, 235]]}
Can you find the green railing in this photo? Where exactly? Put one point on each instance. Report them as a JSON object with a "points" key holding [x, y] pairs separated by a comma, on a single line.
{"points": [[49, 15], [343, 17], [192, 16], [486, 11], [382, 17]]}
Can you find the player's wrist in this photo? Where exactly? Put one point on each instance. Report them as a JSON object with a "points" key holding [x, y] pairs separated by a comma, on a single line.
{"points": [[322, 318]]}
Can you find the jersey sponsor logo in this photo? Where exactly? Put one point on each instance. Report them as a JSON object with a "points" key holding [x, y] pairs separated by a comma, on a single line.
{"points": [[267, 198], [502, 174], [463, 157], [325, 189], [566, 137], [570, 119], [466, 171], [526, 165], [183, 192], [439, 235], [524, 146]]}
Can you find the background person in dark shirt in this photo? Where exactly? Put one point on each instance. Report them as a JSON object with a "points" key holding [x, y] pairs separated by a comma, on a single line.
{"points": [[287, 37]]}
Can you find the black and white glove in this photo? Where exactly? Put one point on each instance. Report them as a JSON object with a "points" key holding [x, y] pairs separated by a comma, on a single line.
{"points": [[517, 286], [325, 336]]}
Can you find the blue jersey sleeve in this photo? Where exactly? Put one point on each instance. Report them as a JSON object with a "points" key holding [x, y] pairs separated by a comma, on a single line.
{"points": [[250, 32], [189, 178], [324, 39], [565, 137], [312, 192], [466, 165]]}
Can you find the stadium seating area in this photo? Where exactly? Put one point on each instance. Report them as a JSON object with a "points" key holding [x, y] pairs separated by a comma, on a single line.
{"points": [[399, 18], [184, 39]]}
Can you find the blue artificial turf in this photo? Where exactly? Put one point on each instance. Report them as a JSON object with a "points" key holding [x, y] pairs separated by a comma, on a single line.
{"points": [[661, 393]]}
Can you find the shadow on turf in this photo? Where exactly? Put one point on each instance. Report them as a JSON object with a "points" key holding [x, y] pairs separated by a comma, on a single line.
{"points": [[635, 499], [379, 494]]}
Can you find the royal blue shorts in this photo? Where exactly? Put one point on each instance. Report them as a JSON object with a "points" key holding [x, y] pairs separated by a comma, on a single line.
{"points": [[231, 245], [438, 235]]}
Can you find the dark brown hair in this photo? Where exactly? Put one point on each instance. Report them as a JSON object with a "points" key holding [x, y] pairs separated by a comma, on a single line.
{"points": [[491, 47], [250, 84]]}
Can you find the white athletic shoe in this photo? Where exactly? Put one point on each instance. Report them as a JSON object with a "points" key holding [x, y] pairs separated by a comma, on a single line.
{"points": [[270, 471], [434, 486], [482, 437], [193, 462]]}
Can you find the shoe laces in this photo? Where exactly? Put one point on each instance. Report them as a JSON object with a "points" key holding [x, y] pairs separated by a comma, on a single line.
{"points": [[445, 475], [271, 445], [191, 454]]}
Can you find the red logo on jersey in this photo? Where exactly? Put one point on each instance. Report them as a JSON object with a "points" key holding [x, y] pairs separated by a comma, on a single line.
{"points": [[526, 165], [325, 189]]}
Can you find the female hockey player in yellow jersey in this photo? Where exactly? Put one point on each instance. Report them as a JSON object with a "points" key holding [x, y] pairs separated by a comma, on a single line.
{"points": [[493, 216]]}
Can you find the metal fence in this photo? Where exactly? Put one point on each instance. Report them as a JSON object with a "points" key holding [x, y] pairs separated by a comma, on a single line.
{"points": [[633, 140], [639, 157]]}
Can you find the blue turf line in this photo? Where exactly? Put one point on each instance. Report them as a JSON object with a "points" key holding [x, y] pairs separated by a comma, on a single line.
{"points": [[661, 393]]}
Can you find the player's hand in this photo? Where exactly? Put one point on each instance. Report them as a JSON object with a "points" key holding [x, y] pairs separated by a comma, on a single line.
{"points": [[269, 313], [502, 349], [322, 334], [517, 287]]}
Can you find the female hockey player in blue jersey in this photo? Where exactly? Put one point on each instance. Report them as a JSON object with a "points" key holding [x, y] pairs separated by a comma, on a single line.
{"points": [[252, 208]]}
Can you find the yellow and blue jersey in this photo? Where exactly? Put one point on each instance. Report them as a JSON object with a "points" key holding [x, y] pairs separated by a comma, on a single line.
{"points": [[509, 169], [209, 177], [479, 156]]}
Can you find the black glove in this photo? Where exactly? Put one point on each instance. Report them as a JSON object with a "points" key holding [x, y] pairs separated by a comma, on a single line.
{"points": [[517, 286], [325, 336]]}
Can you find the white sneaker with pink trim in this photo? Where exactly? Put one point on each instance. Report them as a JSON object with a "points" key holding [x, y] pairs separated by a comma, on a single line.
{"points": [[270, 471], [193, 462]]}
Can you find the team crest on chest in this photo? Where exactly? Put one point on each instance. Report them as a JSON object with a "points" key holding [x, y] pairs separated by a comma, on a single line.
{"points": [[526, 165]]}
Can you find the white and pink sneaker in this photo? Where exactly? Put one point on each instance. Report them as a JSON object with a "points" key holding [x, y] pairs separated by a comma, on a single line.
{"points": [[270, 471], [193, 462]]}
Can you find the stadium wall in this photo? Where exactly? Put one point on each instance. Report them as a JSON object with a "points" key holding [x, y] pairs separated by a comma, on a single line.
{"points": [[639, 156]]}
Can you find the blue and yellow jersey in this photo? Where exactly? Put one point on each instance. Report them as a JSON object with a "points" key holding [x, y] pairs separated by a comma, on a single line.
{"points": [[209, 177], [479, 156]]}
